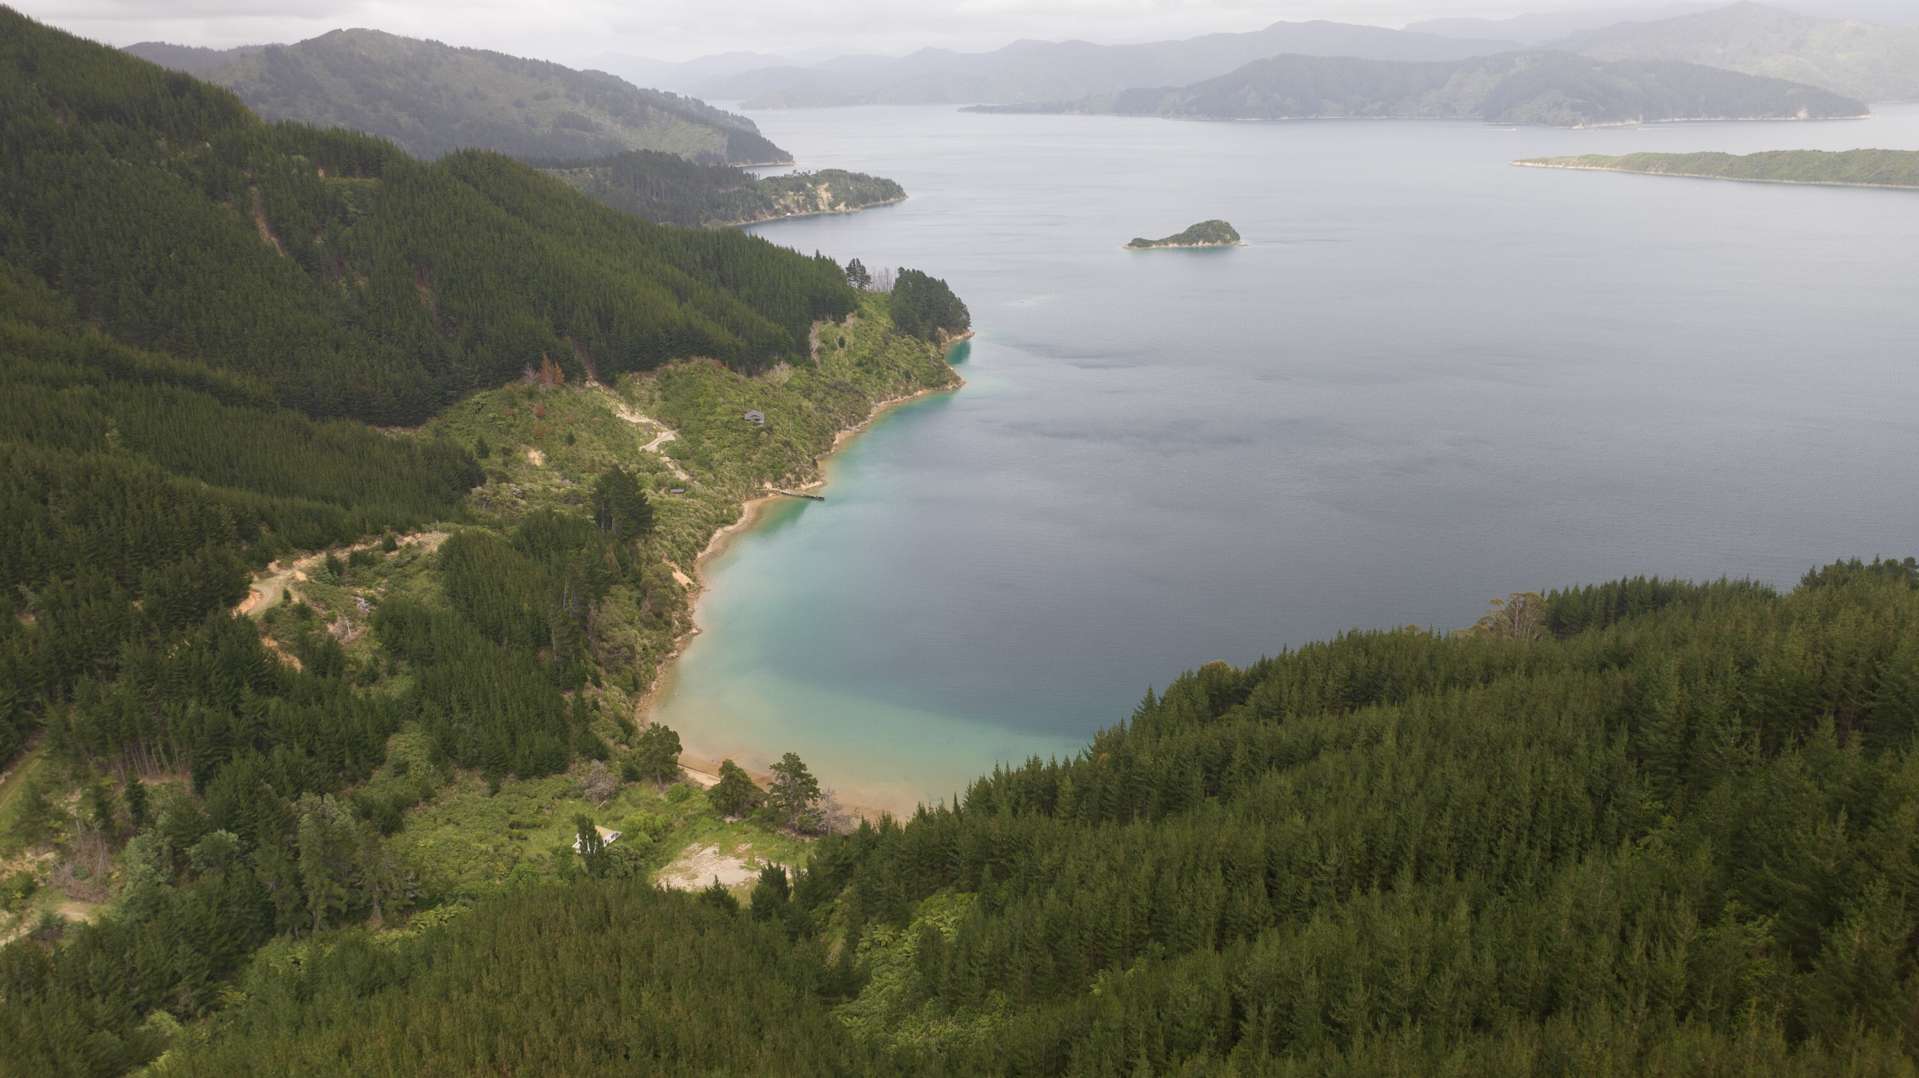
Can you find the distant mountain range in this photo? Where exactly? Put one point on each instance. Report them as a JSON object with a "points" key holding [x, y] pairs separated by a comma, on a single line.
{"points": [[433, 99], [1030, 71], [1828, 48], [1866, 60], [1555, 88]]}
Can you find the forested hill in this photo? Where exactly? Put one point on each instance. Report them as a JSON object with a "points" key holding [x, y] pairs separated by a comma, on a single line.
{"points": [[1027, 71], [1647, 828], [433, 99], [1847, 168], [1553, 88], [671, 190], [347, 277]]}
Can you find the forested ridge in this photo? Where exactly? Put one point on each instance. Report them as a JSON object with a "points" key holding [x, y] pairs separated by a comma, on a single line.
{"points": [[1536, 87], [433, 99], [1642, 828], [344, 275]]}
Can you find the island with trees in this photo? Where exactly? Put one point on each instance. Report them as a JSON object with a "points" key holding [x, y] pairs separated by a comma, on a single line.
{"points": [[1214, 233], [1819, 168]]}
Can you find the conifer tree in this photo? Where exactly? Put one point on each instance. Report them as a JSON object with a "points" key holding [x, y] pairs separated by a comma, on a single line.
{"points": [[735, 794], [794, 795], [656, 754]]}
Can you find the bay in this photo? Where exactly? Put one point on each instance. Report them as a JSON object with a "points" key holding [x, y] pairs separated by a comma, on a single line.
{"points": [[1429, 379]]}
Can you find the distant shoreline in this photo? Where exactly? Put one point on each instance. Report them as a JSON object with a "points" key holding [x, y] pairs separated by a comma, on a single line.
{"points": [[1608, 125], [1710, 176]]}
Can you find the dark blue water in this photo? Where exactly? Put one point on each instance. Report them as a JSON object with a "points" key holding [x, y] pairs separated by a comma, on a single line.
{"points": [[1430, 379]]}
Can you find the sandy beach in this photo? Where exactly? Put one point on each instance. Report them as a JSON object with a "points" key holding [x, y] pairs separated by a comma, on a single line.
{"points": [[701, 769]]}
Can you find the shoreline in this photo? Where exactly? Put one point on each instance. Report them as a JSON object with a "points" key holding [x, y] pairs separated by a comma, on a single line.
{"points": [[700, 769], [841, 212], [1597, 125]]}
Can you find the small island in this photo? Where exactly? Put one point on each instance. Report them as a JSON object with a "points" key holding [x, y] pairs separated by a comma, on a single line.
{"points": [[1819, 168], [1204, 234]]}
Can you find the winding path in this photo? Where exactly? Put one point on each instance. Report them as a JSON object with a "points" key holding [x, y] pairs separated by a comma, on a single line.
{"points": [[666, 434], [272, 586]]}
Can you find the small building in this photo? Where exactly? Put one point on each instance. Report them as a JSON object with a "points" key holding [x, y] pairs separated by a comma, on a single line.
{"points": [[677, 490], [608, 837], [756, 418]]}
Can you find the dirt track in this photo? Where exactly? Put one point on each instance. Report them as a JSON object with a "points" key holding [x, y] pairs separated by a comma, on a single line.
{"points": [[271, 587]]}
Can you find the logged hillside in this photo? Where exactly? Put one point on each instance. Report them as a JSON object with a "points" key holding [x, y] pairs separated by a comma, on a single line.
{"points": [[1553, 88], [1646, 828], [674, 191], [433, 99], [1858, 59], [347, 277]]}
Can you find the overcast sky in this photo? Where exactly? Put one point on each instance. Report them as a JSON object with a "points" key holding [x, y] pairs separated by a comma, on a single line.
{"points": [[576, 31]]}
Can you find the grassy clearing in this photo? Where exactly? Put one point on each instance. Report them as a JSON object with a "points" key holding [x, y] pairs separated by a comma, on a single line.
{"points": [[471, 841]]}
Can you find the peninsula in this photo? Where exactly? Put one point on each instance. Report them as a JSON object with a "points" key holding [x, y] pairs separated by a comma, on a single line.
{"points": [[1214, 233], [1850, 168], [672, 190]]}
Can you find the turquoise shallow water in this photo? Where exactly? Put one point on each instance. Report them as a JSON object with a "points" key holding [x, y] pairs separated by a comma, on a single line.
{"points": [[1431, 378]]}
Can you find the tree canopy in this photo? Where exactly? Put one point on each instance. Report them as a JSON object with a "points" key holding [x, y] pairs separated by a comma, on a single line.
{"points": [[336, 271]]}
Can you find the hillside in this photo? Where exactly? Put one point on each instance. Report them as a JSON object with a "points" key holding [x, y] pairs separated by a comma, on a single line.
{"points": [[265, 675], [343, 274], [1858, 59], [432, 100], [1030, 71], [1651, 827], [1850, 168], [674, 191], [1553, 88]]}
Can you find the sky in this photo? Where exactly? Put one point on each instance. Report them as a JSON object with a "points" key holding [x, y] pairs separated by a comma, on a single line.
{"points": [[579, 31]]}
